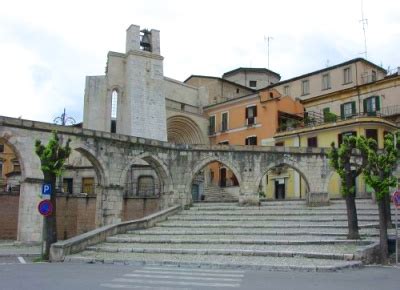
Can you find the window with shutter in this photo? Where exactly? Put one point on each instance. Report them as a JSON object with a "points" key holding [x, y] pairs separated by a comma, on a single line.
{"points": [[211, 128], [224, 124], [371, 105], [348, 110], [251, 114]]}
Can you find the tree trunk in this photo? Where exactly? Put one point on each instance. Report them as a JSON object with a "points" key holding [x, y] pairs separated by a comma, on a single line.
{"points": [[352, 219], [50, 222], [388, 212], [383, 231]]}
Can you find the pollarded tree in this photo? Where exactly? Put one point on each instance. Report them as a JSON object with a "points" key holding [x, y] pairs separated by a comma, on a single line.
{"points": [[52, 158], [378, 173], [347, 163]]}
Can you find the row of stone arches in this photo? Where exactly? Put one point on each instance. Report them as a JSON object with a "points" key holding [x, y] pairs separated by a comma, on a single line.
{"points": [[112, 168]]}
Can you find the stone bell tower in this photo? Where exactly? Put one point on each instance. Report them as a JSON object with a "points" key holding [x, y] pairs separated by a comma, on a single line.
{"points": [[143, 108], [130, 98]]}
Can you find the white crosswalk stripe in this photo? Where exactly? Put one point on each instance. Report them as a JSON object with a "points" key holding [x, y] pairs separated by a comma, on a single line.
{"points": [[169, 278]]}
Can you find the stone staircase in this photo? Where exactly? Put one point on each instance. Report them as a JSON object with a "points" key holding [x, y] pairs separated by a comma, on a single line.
{"points": [[282, 235], [214, 193]]}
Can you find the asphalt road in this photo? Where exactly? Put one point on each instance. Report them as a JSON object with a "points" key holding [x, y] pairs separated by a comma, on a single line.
{"points": [[16, 276]]}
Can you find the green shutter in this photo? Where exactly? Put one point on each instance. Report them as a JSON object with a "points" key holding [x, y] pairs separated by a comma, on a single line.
{"points": [[326, 110], [377, 102], [365, 105], [342, 111], [353, 108]]}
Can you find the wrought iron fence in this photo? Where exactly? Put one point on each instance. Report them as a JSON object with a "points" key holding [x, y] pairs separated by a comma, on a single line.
{"points": [[313, 119]]}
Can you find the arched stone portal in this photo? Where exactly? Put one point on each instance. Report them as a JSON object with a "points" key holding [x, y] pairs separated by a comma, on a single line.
{"points": [[183, 130], [283, 181], [200, 184], [29, 225], [140, 171]]}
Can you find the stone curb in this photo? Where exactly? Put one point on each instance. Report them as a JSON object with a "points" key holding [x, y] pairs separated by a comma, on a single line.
{"points": [[346, 257], [348, 265], [238, 242]]}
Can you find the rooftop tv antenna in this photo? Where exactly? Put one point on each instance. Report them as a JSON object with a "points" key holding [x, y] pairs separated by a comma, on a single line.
{"points": [[364, 22], [268, 39]]}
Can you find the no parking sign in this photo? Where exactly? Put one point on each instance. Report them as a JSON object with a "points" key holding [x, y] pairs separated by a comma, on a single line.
{"points": [[45, 208], [396, 198]]}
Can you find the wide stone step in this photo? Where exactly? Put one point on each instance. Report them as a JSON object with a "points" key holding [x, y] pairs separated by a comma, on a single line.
{"points": [[314, 218], [232, 239], [334, 251], [234, 207], [273, 212], [340, 232], [216, 261], [254, 224]]}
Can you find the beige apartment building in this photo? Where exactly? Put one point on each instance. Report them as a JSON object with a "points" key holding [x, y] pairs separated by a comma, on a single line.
{"points": [[342, 76]]}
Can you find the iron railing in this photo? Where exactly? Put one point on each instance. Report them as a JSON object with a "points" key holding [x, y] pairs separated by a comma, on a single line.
{"points": [[313, 119]]}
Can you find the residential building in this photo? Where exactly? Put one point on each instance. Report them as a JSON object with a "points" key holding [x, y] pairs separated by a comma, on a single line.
{"points": [[369, 109]]}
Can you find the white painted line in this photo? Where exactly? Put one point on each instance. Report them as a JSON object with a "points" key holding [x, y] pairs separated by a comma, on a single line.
{"points": [[177, 283], [122, 286], [168, 268], [194, 273], [184, 278], [21, 260]]}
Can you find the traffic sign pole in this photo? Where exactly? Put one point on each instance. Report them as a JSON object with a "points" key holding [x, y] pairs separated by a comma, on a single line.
{"points": [[396, 201], [397, 236]]}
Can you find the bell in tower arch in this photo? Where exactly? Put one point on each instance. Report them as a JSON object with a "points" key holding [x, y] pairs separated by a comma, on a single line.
{"points": [[145, 43]]}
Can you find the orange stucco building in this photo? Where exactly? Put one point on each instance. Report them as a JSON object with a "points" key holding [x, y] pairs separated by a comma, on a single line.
{"points": [[253, 119]]}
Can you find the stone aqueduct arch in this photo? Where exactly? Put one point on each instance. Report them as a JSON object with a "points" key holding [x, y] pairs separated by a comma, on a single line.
{"points": [[176, 165]]}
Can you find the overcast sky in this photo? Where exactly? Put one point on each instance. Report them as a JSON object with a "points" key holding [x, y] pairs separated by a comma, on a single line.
{"points": [[48, 47]]}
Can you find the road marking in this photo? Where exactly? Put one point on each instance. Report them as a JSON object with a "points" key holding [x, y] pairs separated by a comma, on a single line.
{"points": [[195, 273], [168, 268], [183, 278], [21, 260], [180, 283], [122, 286]]}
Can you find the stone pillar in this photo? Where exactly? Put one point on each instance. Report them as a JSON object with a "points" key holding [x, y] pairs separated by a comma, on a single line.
{"points": [[133, 38], [112, 205], [155, 41], [317, 199], [248, 193], [30, 222]]}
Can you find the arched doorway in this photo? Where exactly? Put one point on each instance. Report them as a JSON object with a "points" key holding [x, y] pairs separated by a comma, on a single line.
{"points": [[183, 130], [215, 181], [282, 182]]}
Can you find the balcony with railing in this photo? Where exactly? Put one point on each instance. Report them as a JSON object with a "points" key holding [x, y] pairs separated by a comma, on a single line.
{"points": [[314, 119]]}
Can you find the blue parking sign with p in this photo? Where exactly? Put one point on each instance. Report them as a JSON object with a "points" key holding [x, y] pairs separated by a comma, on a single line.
{"points": [[46, 189]]}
